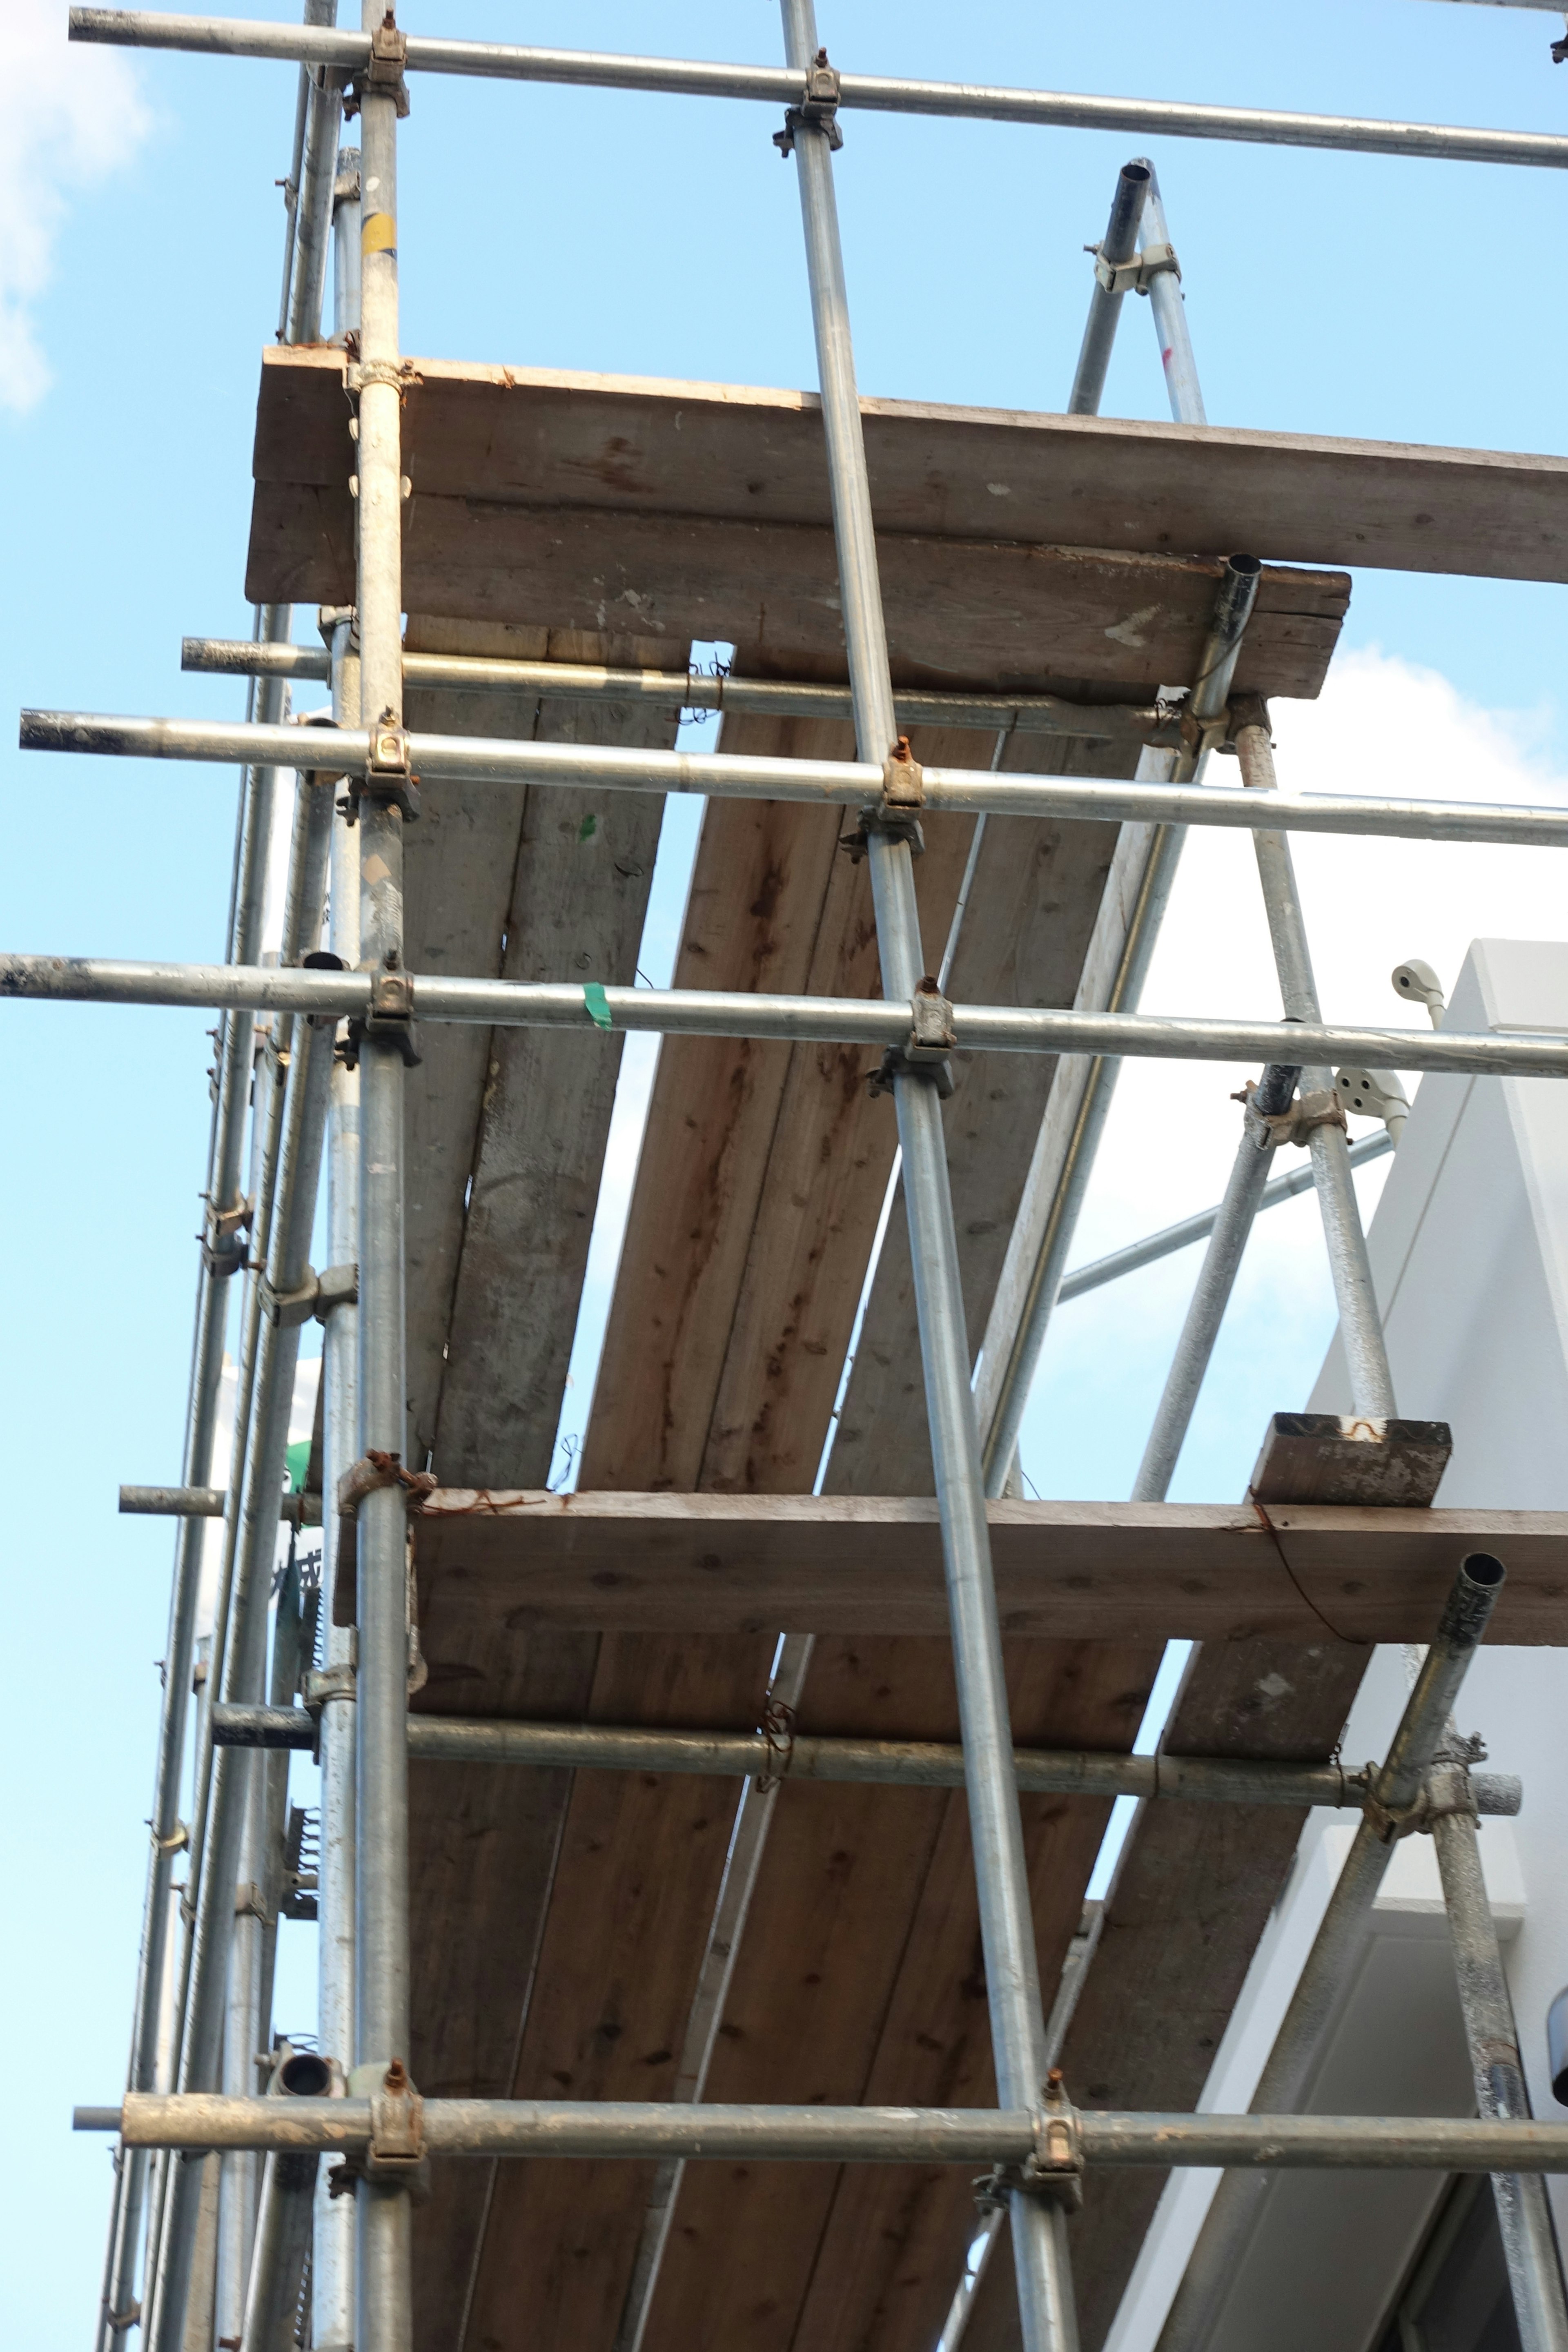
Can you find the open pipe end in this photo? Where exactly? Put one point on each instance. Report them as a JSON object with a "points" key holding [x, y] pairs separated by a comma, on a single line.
{"points": [[1472, 1600], [305, 2075]]}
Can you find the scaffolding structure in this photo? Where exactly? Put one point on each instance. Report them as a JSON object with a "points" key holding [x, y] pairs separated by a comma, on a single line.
{"points": [[226, 2225]]}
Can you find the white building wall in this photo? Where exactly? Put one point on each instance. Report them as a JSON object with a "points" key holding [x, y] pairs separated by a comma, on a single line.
{"points": [[1469, 1255]]}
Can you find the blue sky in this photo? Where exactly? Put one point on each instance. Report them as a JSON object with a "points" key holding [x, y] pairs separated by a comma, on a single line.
{"points": [[142, 226]]}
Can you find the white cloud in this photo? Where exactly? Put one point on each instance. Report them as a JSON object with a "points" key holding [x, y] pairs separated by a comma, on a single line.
{"points": [[69, 115]]}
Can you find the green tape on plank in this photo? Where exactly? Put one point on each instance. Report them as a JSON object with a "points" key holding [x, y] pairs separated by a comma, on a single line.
{"points": [[598, 1006]]}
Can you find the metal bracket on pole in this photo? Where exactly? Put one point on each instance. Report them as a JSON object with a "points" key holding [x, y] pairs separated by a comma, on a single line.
{"points": [[1445, 1790], [314, 1300], [818, 110], [388, 772], [927, 1051], [390, 1014], [219, 1256], [1135, 276], [385, 70], [896, 816], [325, 1684], [1322, 1108], [1053, 2168]]}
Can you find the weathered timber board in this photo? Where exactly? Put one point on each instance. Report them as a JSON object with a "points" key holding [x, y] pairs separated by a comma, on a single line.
{"points": [[967, 612], [735, 1136], [492, 1565], [974, 595], [640, 1854], [861, 1979], [521, 885], [538, 437], [848, 2255], [1193, 1894]]}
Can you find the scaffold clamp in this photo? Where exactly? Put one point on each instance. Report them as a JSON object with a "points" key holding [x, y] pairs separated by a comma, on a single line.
{"points": [[1136, 275], [927, 1051], [818, 110], [389, 1016], [384, 73], [1322, 1108]]}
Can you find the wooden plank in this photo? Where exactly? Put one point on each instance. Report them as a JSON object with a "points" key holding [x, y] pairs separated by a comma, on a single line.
{"points": [[541, 438], [640, 1854], [859, 1978], [1015, 616], [519, 886], [494, 1564], [770, 897], [890, 2249], [1192, 1895], [861, 1945], [506, 1142]]}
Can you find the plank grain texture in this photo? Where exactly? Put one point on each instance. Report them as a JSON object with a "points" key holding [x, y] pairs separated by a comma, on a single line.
{"points": [[489, 1562], [701, 512], [506, 1139], [538, 437]]}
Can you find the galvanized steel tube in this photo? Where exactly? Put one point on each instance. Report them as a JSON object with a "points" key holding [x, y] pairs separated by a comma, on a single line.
{"points": [[1037, 1252], [385, 2285], [1022, 714], [714, 1012], [886, 94], [1210, 1293], [1524, 2217], [815, 2135], [293, 1121], [1325, 1973], [1117, 246], [1183, 389], [1360, 1325], [332, 2262], [283, 2221], [899, 1763], [313, 202], [844, 784], [1006, 1924]]}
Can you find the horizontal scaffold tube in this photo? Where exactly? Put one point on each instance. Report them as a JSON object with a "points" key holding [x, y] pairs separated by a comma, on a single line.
{"points": [[918, 1763], [544, 2127], [781, 86], [1021, 714], [846, 784], [208, 1503], [833, 1020]]}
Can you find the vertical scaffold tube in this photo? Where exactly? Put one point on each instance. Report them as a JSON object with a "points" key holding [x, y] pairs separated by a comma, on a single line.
{"points": [[1038, 1253], [223, 1255], [1018, 2024], [1118, 246], [1360, 1325], [384, 2292], [1182, 386], [1212, 2263], [1524, 2217], [1217, 1279], [224, 1249], [332, 2250]]}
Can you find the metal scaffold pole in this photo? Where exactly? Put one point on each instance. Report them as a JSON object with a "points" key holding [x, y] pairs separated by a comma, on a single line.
{"points": [[1007, 1935], [1286, 2072], [1032, 1276], [383, 2321], [332, 2260], [1371, 1384], [1524, 2216]]}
